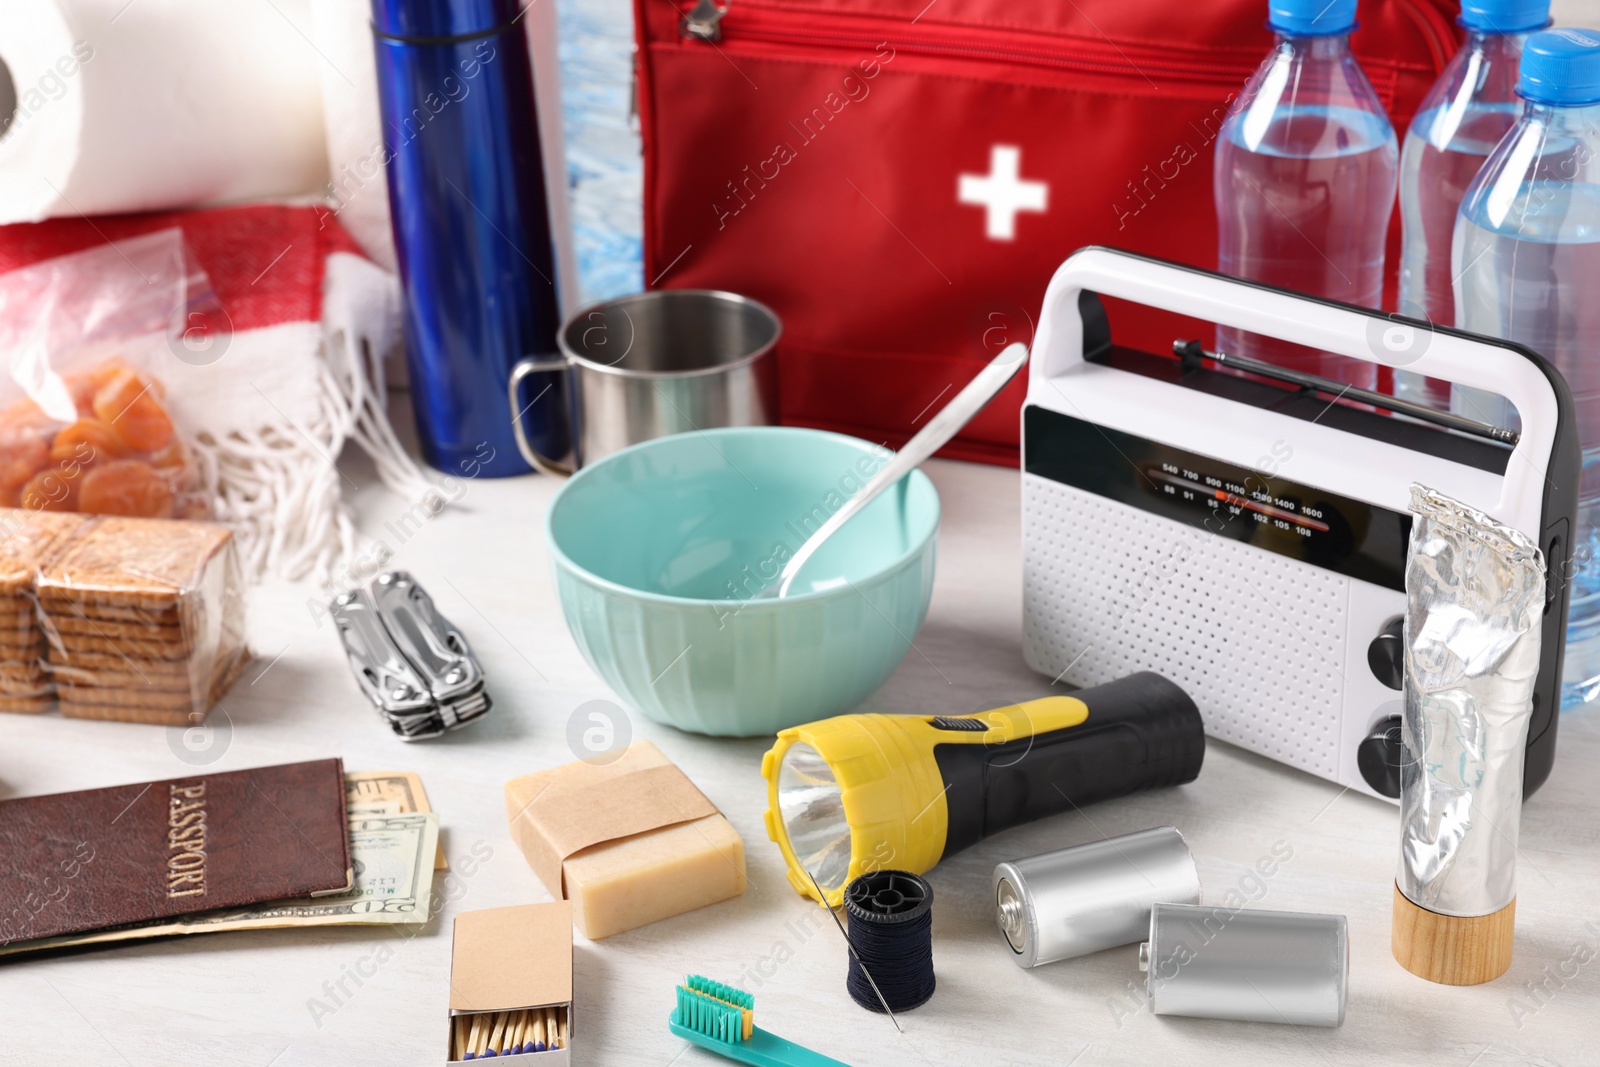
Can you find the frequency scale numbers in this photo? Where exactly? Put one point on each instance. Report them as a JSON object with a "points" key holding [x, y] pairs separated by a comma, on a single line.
{"points": [[1256, 506], [1234, 499]]}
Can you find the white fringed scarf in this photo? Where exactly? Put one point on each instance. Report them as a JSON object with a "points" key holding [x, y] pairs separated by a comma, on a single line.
{"points": [[269, 442]]}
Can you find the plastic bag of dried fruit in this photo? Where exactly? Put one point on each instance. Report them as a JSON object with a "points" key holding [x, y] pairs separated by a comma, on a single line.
{"points": [[82, 427]]}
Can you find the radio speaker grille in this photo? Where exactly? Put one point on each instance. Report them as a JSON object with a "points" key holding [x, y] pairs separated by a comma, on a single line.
{"points": [[1255, 638]]}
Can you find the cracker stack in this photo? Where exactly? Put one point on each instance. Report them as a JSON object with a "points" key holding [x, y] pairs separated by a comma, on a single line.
{"points": [[28, 539], [144, 620]]}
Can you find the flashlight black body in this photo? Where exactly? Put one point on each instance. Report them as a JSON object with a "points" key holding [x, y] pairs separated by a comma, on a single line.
{"points": [[1142, 732]]}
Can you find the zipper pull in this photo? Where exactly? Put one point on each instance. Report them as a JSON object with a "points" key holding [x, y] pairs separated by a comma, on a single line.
{"points": [[704, 23]]}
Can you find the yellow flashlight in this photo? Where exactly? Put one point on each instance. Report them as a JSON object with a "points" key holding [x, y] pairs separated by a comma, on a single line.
{"points": [[860, 793]]}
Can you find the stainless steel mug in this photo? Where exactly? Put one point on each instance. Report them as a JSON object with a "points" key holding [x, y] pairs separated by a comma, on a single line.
{"points": [[657, 363]]}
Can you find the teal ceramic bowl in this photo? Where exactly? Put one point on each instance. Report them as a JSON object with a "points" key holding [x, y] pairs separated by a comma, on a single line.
{"points": [[659, 548]]}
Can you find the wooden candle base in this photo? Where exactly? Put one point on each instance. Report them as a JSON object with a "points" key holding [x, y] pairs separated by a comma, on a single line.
{"points": [[1450, 949]]}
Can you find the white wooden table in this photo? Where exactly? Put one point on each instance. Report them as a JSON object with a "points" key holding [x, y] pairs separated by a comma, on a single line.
{"points": [[251, 998]]}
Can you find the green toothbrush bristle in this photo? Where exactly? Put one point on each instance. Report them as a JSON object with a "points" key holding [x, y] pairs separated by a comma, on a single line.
{"points": [[716, 1010], [728, 993]]}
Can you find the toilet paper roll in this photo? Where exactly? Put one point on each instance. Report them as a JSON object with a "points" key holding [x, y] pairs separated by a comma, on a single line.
{"points": [[357, 189], [137, 105]]}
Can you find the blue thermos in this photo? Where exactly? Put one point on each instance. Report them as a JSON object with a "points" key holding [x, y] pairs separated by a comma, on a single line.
{"points": [[471, 226]]}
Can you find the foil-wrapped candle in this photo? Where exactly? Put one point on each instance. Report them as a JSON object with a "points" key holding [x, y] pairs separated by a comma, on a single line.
{"points": [[1474, 603]]}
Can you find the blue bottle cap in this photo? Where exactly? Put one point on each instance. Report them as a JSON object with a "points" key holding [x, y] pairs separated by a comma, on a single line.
{"points": [[1311, 18], [1561, 67], [1505, 16]]}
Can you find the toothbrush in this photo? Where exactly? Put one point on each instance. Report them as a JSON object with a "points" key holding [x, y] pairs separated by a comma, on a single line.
{"points": [[721, 1018]]}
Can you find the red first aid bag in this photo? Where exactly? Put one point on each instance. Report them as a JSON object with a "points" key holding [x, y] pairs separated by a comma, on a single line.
{"points": [[898, 179]]}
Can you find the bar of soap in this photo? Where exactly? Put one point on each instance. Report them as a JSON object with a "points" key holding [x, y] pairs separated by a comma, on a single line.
{"points": [[629, 881]]}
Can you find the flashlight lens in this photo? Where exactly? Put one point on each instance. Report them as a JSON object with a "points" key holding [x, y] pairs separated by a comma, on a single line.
{"points": [[812, 808]]}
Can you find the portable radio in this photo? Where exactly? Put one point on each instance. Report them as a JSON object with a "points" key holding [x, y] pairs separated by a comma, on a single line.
{"points": [[1245, 534]]}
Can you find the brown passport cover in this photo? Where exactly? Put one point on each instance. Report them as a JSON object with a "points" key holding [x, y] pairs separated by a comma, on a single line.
{"points": [[73, 862]]}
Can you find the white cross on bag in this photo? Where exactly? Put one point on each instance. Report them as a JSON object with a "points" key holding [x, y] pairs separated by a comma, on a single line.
{"points": [[1002, 193]]}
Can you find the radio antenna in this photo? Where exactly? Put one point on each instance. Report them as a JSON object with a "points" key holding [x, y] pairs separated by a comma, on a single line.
{"points": [[1191, 353]]}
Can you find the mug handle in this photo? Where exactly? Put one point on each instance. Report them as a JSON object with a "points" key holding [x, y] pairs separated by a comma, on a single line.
{"points": [[535, 458]]}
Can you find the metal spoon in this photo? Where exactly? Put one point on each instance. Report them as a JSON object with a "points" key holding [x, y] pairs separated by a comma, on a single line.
{"points": [[943, 426]]}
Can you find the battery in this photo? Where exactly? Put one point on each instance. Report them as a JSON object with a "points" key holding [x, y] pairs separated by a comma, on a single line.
{"points": [[1089, 897], [1253, 966]]}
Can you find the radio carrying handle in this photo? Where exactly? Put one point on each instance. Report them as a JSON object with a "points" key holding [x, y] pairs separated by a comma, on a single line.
{"points": [[1521, 376]]}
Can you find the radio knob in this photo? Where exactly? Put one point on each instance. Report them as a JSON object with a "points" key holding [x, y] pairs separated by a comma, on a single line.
{"points": [[1386, 654], [1379, 757]]}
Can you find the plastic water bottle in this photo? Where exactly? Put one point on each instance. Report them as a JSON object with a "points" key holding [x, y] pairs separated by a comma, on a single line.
{"points": [[1462, 118], [1526, 256], [1305, 179]]}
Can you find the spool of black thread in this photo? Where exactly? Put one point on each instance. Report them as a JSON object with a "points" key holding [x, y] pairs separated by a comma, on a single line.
{"points": [[891, 931]]}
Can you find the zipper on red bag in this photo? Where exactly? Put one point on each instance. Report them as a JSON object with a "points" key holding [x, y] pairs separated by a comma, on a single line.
{"points": [[737, 21]]}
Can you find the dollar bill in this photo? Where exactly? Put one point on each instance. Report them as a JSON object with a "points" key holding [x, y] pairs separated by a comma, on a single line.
{"points": [[390, 858], [380, 807], [389, 792]]}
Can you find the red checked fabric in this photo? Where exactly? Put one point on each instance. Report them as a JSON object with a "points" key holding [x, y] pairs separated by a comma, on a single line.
{"points": [[235, 245], [898, 179]]}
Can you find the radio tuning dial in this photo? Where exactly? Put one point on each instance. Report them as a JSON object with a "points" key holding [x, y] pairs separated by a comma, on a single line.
{"points": [[1380, 756], [1386, 653]]}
